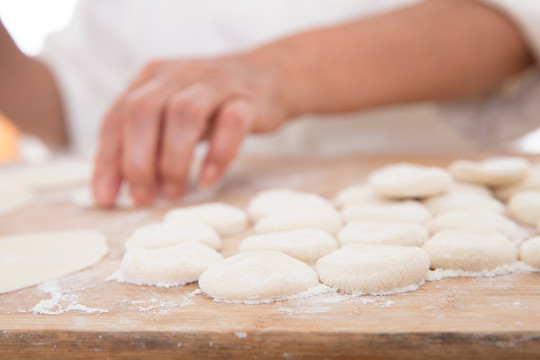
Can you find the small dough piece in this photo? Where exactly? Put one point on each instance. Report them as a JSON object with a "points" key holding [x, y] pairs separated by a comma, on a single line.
{"points": [[383, 233], [529, 252], [465, 187], [225, 219], [51, 176], [156, 236], [171, 266], [470, 250], [273, 201], [356, 194], [84, 198], [307, 245], [405, 180], [389, 211], [256, 276], [524, 206], [375, 270], [31, 258], [476, 219], [492, 172], [327, 219], [531, 182], [458, 200], [13, 197]]}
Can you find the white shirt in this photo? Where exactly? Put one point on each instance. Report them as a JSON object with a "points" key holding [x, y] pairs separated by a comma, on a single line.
{"points": [[109, 41]]}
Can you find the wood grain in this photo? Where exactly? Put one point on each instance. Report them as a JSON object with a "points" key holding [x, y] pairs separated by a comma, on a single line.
{"points": [[480, 318]]}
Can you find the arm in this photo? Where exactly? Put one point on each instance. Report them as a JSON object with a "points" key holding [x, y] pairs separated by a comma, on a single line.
{"points": [[438, 49], [29, 94]]}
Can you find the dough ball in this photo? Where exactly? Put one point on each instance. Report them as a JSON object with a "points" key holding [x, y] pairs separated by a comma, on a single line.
{"points": [[383, 233], [161, 235], [531, 182], [493, 172], [389, 211], [372, 269], [257, 275], [410, 181], [29, 259], [13, 197], [465, 187], [225, 219], [470, 250], [84, 198], [307, 245], [277, 200], [326, 219], [524, 206], [457, 200], [171, 266], [356, 194], [476, 219], [529, 252]]}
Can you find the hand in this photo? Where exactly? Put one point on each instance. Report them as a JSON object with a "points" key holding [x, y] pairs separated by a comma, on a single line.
{"points": [[148, 137]]}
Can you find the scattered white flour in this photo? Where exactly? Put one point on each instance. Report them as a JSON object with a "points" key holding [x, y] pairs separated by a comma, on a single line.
{"points": [[195, 292], [56, 304], [439, 274], [517, 303], [241, 335], [314, 291]]}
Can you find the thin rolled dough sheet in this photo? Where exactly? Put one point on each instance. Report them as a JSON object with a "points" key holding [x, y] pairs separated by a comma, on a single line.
{"points": [[31, 258], [13, 197]]}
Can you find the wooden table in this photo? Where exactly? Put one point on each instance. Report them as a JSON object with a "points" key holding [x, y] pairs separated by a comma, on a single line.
{"points": [[480, 318]]}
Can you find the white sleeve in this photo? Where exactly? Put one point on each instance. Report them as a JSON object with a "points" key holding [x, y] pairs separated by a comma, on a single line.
{"points": [[512, 110]]}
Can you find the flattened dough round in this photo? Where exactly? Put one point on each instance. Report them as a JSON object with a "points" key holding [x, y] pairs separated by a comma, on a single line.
{"points": [[459, 200], [524, 206], [161, 235], [372, 269], [531, 182], [35, 257], [326, 219], [13, 197], [171, 266], [529, 252], [382, 233], [389, 211], [404, 180], [470, 250], [493, 172], [356, 194], [257, 275], [307, 245], [225, 219], [273, 201]]}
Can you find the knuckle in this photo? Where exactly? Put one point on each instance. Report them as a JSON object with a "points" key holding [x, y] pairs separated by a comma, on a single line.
{"points": [[152, 66], [187, 110], [142, 107], [170, 171]]}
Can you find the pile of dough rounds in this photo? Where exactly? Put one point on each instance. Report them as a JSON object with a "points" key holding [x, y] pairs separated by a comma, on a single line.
{"points": [[378, 237]]}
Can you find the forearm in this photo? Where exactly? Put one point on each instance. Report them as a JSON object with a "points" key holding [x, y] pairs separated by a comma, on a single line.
{"points": [[29, 94], [436, 50]]}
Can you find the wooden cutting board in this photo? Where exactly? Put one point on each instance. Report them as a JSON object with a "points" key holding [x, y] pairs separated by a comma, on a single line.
{"points": [[480, 318]]}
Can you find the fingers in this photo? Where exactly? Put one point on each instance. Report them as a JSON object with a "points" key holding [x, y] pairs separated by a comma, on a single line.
{"points": [[142, 114], [187, 116], [232, 124], [107, 177]]}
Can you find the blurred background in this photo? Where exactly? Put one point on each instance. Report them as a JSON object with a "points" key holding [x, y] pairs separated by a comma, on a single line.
{"points": [[29, 30]]}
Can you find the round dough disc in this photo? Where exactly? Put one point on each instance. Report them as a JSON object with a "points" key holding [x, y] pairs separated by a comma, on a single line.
{"points": [[410, 181], [388, 211], [13, 197], [470, 250], [171, 266], [326, 219], [459, 200], [531, 182], [376, 270], [529, 252], [493, 172], [225, 219], [276, 200], [256, 276], [524, 206], [307, 245], [356, 194], [161, 235], [382, 233], [32, 258]]}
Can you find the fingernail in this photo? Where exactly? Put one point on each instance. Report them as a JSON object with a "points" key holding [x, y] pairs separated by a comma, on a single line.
{"points": [[209, 176], [143, 194], [172, 191]]}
